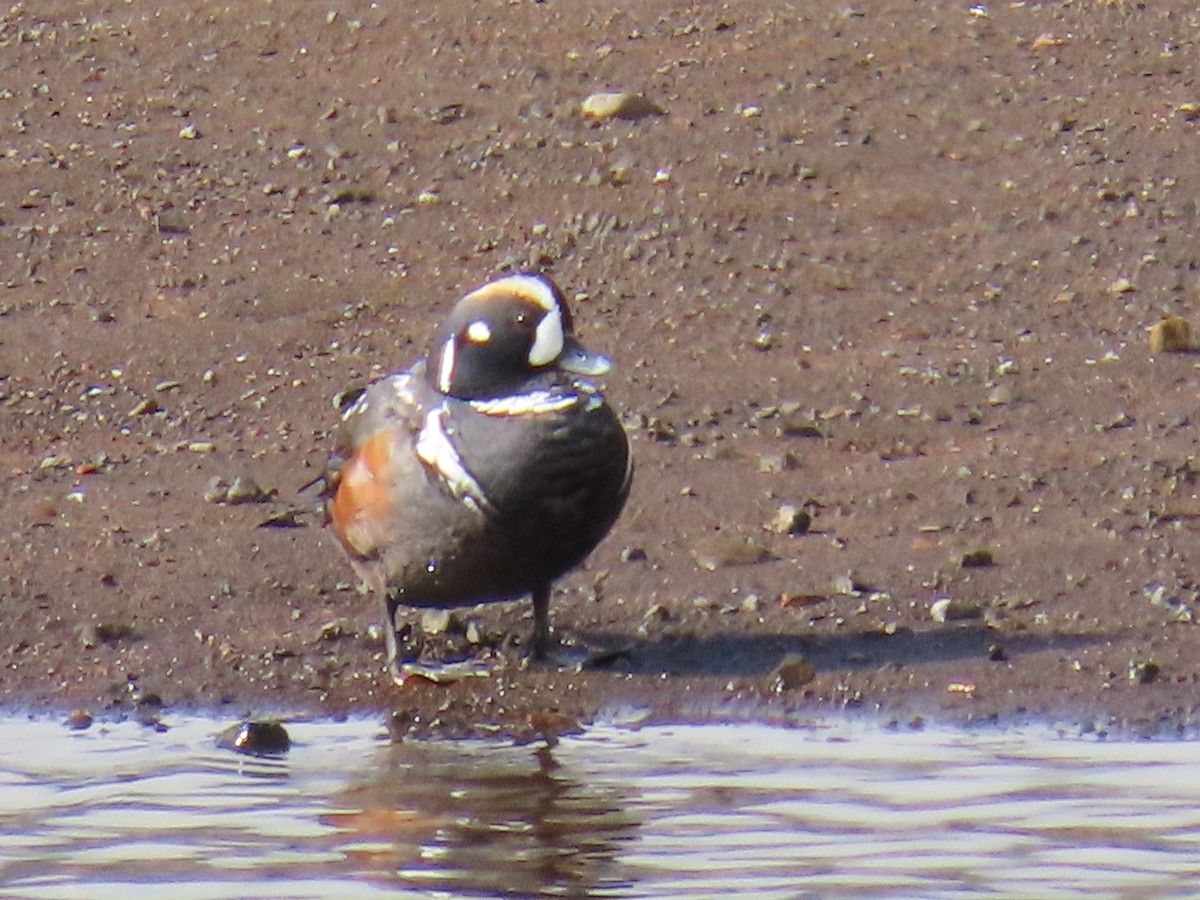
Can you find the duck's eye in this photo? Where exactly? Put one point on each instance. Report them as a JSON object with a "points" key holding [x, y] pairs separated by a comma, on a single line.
{"points": [[479, 332]]}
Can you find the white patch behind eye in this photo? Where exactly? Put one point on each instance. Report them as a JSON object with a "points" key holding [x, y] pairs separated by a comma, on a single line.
{"points": [[479, 332], [445, 378], [548, 341]]}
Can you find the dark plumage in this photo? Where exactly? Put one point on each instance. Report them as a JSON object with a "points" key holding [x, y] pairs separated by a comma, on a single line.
{"points": [[485, 471]]}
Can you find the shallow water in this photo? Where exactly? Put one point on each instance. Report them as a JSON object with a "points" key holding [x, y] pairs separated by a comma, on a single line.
{"points": [[846, 808]]}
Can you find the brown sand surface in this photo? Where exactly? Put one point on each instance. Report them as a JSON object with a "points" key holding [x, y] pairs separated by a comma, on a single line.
{"points": [[889, 263]]}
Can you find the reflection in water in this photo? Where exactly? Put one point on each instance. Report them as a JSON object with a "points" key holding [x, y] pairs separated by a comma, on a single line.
{"points": [[842, 809], [486, 820]]}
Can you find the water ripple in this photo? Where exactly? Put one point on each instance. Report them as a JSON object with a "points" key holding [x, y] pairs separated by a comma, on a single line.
{"points": [[837, 809]]}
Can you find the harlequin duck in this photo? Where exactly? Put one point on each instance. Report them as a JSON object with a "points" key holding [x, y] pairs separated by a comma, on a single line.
{"points": [[485, 471]]}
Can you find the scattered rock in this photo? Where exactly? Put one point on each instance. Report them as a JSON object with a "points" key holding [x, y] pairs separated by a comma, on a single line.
{"points": [[437, 621], [795, 671], [1172, 335], [774, 463], [795, 423], [1000, 395], [267, 738], [93, 634], [336, 629], [657, 613], [790, 519], [949, 609], [1156, 593], [619, 105], [242, 489], [451, 112], [144, 407], [285, 518], [79, 720], [788, 599], [851, 586], [720, 551], [1143, 671], [979, 558]]}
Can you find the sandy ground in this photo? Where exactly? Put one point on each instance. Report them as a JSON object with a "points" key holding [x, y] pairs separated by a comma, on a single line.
{"points": [[889, 263]]}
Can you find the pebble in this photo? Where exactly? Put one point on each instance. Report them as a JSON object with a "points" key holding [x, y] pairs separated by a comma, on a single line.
{"points": [[1143, 671], [79, 720], [93, 634], [263, 738], [436, 621], [619, 105], [656, 613], [980, 558], [1157, 594], [844, 584], [1000, 395], [950, 609], [794, 423], [1171, 335], [284, 518], [720, 551], [788, 598], [242, 489], [335, 629], [774, 463], [794, 671], [790, 519], [149, 405]]}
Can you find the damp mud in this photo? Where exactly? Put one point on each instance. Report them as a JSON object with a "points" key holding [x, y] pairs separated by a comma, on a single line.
{"points": [[877, 281]]}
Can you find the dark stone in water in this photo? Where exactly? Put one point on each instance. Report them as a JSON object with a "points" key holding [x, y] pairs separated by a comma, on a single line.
{"points": [[79, 720], [255, 739]]}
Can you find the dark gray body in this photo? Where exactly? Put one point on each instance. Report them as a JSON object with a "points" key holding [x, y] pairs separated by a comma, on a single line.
{"points": [[543, 484]]}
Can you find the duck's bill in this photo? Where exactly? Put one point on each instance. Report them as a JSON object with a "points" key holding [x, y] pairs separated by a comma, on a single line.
{"points": [[583, 362]]}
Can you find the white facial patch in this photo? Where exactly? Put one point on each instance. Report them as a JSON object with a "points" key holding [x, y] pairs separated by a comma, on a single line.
{"points": [[437, 451], [445, 378], [549, 340], [479, 332]]}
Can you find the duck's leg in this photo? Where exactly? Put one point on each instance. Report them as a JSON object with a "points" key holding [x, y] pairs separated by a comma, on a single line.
{"points": [[544, 647], [394, 665], [402, 670]]}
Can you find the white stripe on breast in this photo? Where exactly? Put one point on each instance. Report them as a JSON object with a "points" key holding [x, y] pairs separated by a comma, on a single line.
{"points": [[532, 404], [437, 451]]}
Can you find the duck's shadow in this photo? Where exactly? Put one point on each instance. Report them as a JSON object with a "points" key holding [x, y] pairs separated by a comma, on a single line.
{"points": [[758, 654]]}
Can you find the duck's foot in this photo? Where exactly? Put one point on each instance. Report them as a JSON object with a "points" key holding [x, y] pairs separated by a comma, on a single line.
{"points": [[552, 654], [440, 673]]}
